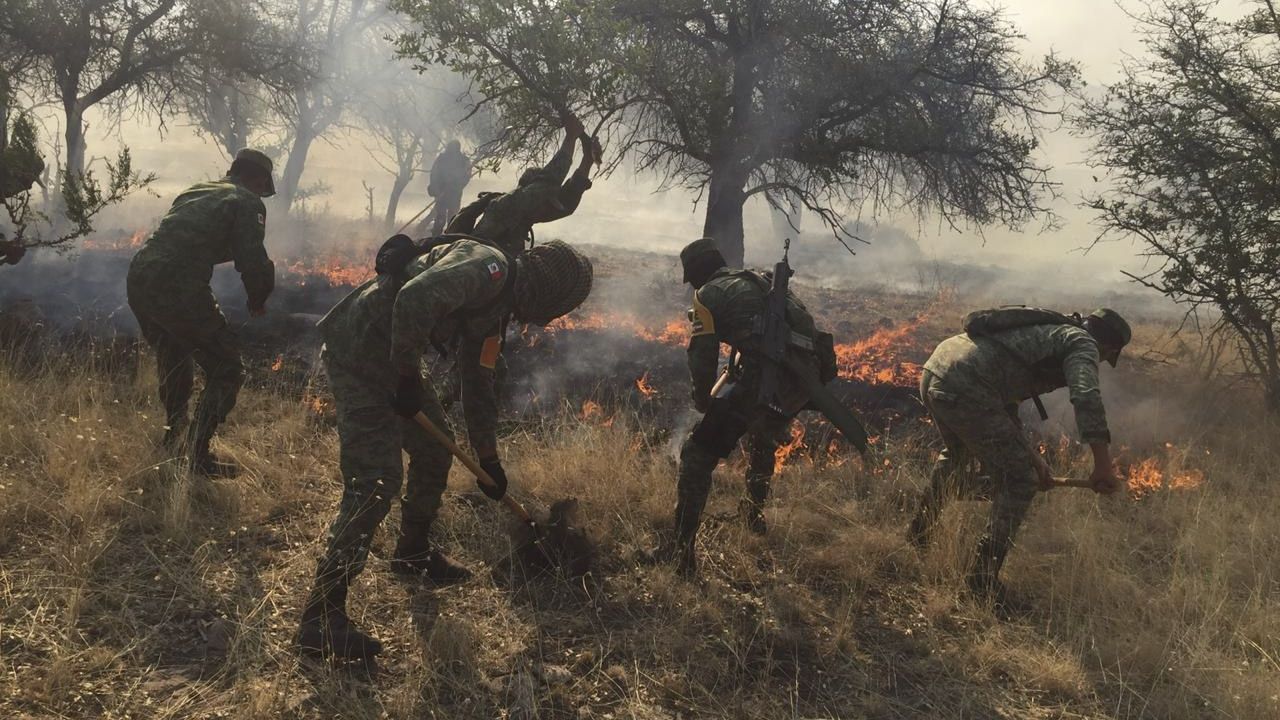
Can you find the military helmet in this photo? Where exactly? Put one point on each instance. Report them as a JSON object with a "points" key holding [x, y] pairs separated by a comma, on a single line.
{"points": [[552, 279], [700, 256], [259, 159], [1110, 328]]}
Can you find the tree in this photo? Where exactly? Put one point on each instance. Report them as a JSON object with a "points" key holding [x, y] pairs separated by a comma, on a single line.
{"points": [[314, 103], [1190, 137], [412, 115], [917, 104], [124, 55], [83, 197]]}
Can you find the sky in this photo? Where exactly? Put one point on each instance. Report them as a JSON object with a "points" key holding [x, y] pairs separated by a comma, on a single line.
{"points": [[626, 210]]}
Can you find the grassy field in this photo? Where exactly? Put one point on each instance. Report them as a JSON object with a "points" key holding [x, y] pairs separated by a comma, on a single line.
{"points": [[128, 589]]}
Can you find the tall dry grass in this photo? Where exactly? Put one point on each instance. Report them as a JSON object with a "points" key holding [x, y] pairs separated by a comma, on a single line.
{"points": [[129, 589]]}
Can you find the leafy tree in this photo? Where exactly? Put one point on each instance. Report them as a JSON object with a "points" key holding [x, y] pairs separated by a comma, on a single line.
{"points": [[1190, 137], [917, 104], [83, 196]]}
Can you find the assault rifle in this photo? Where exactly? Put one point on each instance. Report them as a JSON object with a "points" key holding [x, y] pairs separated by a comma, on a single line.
{"points": [[774, 336]]}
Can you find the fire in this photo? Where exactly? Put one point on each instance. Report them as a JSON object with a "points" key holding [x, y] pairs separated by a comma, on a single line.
{"points": [[337, 270], [278, 364], [785, 451], [131, 242], [642, 384], [878, 359], [1147, 477], [675, 332], [593, 412]]}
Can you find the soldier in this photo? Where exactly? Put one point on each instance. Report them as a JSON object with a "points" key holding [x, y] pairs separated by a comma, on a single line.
{"points": [[725, 305], [374, 342], [972, 385], [508, 218], [450, 174], [168, 289]]}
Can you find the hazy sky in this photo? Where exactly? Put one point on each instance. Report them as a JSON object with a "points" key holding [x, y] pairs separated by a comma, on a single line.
{"points": [[1095, 33]]}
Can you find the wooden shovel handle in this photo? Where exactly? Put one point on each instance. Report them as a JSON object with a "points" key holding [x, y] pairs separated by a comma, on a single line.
{"points": [[443, 438]]}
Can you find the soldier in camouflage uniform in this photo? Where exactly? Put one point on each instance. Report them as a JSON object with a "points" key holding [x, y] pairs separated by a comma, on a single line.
{"points": [[450, 174], [168, 289], [375, 338], [972, 387], [508, 218], [725, 305]]}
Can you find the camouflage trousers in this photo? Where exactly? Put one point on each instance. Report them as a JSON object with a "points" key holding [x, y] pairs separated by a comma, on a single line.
{"points": [[186, 330], [995, 439], [371, 437], [698, 461]]}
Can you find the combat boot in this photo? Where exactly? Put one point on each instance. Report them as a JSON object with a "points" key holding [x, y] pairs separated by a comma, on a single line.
{"points": [[327, 632], [984, 579], [205, 462], [415, 555]]}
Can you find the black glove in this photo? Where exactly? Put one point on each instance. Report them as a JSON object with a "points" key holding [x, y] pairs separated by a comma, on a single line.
{"points": [[408, 399], [494, 468]]}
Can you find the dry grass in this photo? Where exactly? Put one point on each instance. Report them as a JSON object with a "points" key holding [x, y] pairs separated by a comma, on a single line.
{"points": [[128, 589]]}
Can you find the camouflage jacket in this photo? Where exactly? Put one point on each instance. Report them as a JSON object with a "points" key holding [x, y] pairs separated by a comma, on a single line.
{"points": [[383, 327], [208, 224], [509, 218], [724, 311], [1027, 361]]}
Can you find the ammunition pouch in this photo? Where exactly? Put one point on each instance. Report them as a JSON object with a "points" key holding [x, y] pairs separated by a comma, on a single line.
{"points": [[824, 347], [725, 422]]}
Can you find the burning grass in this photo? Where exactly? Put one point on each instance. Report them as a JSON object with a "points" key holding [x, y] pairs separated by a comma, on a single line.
{"points": [[130, 590]]}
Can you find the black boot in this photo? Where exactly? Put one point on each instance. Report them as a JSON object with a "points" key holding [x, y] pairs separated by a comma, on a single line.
{"points": [[984, 579], [752, 507], [326, 630], [430, 564], [205, 462]]}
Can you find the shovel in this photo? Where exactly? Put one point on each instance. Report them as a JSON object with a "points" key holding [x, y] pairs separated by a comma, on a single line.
{"points": [[572, 549]]}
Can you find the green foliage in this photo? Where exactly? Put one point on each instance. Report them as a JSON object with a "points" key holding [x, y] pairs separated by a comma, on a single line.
{"points": [[1189, 138]]}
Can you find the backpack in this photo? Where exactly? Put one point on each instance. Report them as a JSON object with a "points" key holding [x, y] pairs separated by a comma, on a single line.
{"points": [[986, 324]]}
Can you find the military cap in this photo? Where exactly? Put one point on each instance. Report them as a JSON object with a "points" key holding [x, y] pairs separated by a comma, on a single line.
{"points": [[699, 252], [260, 160], [1114, 327]]}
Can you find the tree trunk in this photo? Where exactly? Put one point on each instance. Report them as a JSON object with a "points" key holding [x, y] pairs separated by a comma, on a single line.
{"points": [[74, 134], [725, 200], [393, 200], [288, 190]]}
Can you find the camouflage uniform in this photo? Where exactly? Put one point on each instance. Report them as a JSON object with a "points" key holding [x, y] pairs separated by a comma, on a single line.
{"points": [[724, 310], [509, 218], [972, 388], [450, 174], [382, 327], [168, 290]]}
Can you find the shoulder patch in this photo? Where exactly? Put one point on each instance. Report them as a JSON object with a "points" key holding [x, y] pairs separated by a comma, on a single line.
{"points": [[262, 218], [495, 270], [701, 318]]}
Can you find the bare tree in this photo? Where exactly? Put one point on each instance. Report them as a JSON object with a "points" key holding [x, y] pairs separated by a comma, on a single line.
{"points": [[918, 104]]}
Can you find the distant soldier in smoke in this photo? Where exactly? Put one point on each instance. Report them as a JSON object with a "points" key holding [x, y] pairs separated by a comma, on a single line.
{"points": [[972, 385], [168, 289], [726, 304], [450, 174], [374, 339], [508, 218]]}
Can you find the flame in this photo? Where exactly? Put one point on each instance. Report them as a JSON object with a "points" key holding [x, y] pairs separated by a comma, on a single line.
{"points": [[278, 364], [674, 332], [642, 384], [785, 451], [131, 242], [1147, 477], [878, 359], [316, 404], [593, 412], [336, 270]]}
